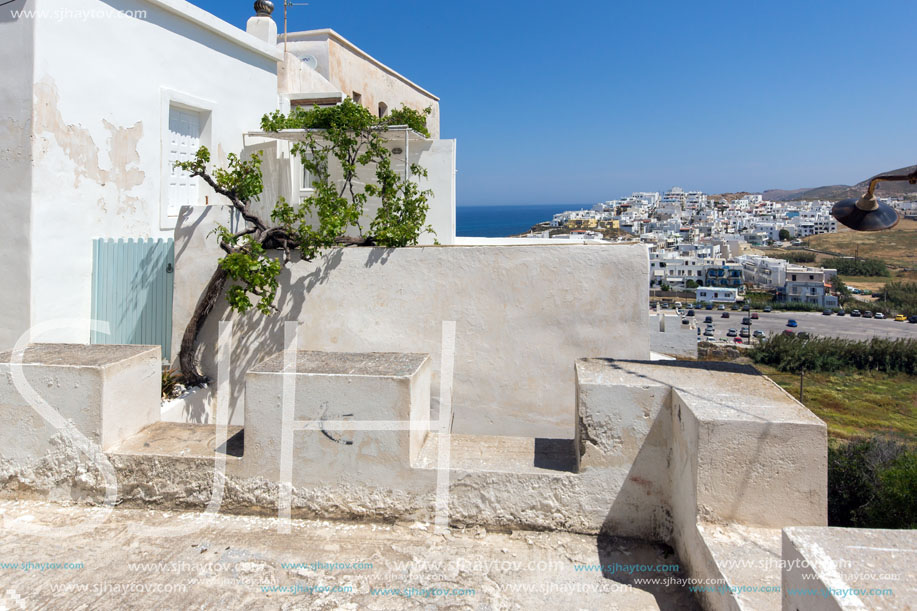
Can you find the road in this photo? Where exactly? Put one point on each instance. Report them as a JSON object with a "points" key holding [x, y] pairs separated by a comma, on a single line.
{"points": [[812, 322]]}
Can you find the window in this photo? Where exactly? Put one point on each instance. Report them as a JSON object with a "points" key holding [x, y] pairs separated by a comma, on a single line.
{"points": [[357, 97], [383, 109], [306, 184], [184, 140]]}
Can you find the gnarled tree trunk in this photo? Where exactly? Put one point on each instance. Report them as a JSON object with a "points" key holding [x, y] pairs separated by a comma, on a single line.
{"points": [[187, 357]]}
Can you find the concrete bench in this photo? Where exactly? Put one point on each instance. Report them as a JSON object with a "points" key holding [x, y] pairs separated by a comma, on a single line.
{"points": [[355, 418], [108, 392]]}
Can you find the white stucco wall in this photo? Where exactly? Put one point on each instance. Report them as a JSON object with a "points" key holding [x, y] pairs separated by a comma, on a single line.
{"points": [[524, 314], [102, 91], [16, 57]]}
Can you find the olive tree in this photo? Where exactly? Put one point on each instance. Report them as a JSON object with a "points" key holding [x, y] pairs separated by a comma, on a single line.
{"points": [[343, 148]]}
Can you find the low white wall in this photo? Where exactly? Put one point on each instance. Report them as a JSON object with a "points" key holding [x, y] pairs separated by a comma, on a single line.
{"points": [[524, 314], [17, 58], [668, 336], [108, 393]]}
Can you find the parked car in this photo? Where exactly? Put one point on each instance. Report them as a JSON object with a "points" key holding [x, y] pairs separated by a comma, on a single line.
{"points": [[768, 309], [754, 316], [912, 319], [709, 306], [709, 332], [803, 335], [666, 305], [732, 333], [758, 333], [744, 332], [677, 304], [841, 313], [734, 307], [788, 332], [746, 308], [880, 316], [902, 318], [721, 307], [856, 313], [868, 314], [746, 321], [690, 313], [708, 320], [685, 321], [826, 312], [724, 315], [792, 323], [738, 340]]}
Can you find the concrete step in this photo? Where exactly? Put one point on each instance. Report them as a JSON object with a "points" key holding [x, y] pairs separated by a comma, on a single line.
{"points": [[182, 440], [748, 558], [500, 454]]}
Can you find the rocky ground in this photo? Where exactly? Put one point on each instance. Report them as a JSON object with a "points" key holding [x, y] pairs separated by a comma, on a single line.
{"points": [[75, 557]]}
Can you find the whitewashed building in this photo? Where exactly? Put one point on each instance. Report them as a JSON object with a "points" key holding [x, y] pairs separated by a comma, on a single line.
{"points": [[716, 295], [96, 106]]}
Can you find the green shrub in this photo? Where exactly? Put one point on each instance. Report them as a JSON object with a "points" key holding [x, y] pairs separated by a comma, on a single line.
{"points": [[902, 296], [797, 256], [872, 483], [857, 267], [792, 353]]}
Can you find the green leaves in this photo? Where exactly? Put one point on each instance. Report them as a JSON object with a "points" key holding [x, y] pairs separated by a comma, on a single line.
{"points": [[256, 274], [346, 137]]}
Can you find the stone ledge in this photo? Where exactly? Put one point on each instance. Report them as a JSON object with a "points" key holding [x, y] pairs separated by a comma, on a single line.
{"points": [[846, 559], [376, 364], [77, 355]]}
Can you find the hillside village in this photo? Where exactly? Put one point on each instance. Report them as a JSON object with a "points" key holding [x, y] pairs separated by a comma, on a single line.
{"points": [[698, 240]]}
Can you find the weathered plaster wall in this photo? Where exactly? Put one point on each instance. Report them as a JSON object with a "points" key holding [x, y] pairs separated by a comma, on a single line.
{"points": [[523, 313], [101, 94], [351, 72], [17, 59]]}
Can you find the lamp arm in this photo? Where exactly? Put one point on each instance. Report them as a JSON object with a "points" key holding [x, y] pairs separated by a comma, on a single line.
{"points": [[911, 178]]}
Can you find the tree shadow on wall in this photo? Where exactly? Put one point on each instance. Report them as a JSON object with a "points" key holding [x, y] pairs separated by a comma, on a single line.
{"points": [[256, 336]]}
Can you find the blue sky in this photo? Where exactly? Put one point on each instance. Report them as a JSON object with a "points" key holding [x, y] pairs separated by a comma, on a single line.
{"points": [[583, 101]]}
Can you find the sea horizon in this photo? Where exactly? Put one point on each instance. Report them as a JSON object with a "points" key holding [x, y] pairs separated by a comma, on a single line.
{"points": [[502, 220]]}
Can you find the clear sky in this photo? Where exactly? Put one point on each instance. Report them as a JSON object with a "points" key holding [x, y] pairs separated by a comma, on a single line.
{"points": [[583, 101]]}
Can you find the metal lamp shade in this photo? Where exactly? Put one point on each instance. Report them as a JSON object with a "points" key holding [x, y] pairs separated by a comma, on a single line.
{"points": [[848, 213]]}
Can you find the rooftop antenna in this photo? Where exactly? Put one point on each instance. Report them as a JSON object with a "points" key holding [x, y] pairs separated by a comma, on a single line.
{"points": [[286, 5]]}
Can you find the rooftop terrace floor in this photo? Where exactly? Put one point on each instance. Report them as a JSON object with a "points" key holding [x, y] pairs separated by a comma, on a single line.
{"points": [[202, 561]]}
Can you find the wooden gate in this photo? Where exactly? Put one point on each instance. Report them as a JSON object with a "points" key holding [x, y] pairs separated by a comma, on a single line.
{"points": [[132, 291]]}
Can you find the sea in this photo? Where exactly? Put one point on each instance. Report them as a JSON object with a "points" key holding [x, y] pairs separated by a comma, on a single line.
{"points": [[500, 221]]}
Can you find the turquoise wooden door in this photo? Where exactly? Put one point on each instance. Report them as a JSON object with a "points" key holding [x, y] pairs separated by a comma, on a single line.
{"points": [[132, 291]]}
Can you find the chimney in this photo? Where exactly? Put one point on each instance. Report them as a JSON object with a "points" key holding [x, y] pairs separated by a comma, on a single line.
{"points": [[261, 26]]}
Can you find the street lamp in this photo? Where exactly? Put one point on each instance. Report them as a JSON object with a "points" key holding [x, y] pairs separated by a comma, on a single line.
{"points": [[866, 213]]}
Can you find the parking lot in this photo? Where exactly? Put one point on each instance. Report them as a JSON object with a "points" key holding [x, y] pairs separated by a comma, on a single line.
{"points": [[814, 323]]}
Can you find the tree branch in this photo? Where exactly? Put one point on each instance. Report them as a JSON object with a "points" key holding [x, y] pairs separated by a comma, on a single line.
{"points": [[236, 202]]}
